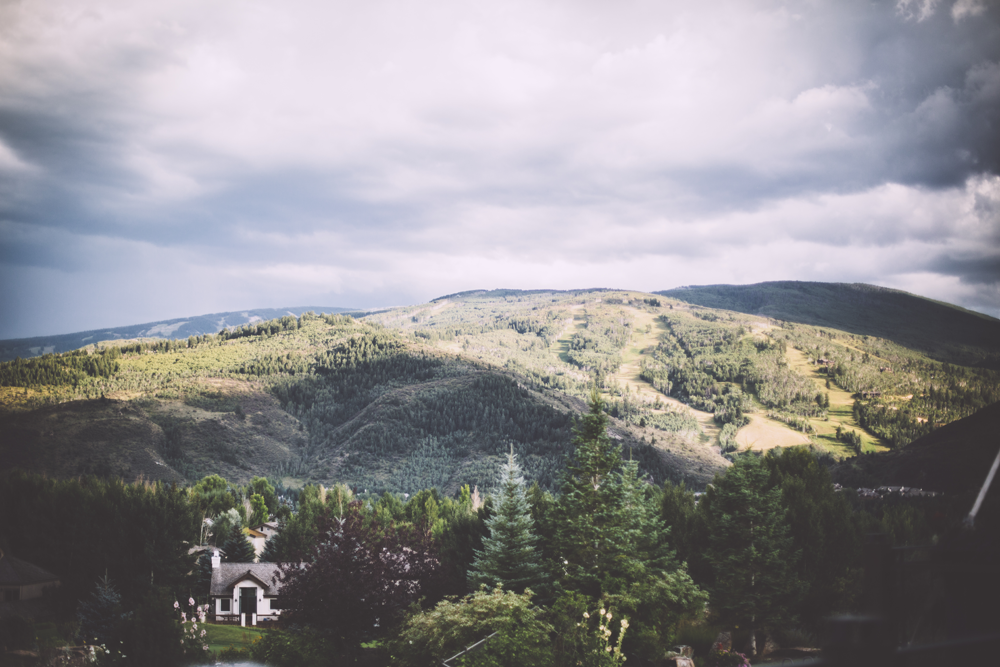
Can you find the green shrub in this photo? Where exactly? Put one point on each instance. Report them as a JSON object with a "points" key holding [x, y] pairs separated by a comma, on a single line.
{"points": [[286, 649], [699, 637], [233, 654], [428, 637]]}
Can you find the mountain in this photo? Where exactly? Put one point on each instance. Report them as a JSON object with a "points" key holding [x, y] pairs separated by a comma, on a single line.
{"points": [[943, 331], [178, 328], [435, 394]]}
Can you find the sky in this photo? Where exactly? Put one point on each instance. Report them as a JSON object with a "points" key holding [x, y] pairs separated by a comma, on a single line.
{"points": [[173, 158]]}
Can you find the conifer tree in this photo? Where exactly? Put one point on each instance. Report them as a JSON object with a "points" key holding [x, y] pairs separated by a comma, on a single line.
{"points": [[101, 614], [269, 554], [510, 558], [238, 548], [749, 549], [204, 572], [612, 543], [587, 509]]}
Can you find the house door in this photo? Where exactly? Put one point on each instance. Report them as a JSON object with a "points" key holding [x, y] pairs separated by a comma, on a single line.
{"points": [[248, 600]]}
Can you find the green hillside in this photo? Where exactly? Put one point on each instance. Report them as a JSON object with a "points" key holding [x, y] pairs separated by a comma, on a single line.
{"points": [[434, 394], [321, 399], [942, 331], [175, 329]]}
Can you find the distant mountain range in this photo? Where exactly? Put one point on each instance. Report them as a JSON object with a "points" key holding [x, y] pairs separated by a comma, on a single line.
{"points": [[181, 327]]}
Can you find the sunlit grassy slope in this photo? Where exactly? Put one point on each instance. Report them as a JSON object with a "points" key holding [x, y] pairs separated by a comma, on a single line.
{"points": [[434, 394]]}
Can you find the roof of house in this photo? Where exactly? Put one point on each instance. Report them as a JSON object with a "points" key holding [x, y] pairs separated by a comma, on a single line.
{"points": [[269, 527], [16, 572], [227, 575]]}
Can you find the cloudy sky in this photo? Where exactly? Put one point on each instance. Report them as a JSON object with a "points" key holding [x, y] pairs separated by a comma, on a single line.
{"points": [[171, 158]]}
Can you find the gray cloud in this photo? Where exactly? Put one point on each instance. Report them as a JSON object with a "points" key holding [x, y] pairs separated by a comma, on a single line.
{"points": [[195, 158]]}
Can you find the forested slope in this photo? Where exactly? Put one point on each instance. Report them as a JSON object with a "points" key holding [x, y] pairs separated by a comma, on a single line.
{"points": [[175, 329], [432, 394], [953, 459], [325, 399], [942, 331]]}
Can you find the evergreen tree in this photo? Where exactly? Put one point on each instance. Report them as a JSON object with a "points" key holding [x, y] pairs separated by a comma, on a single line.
{"points": [[269, 554], [238, 548], [204, 572], [101, 614], [823, 528], [509, 558], [586, 539], [612, 542], [749, 550]]}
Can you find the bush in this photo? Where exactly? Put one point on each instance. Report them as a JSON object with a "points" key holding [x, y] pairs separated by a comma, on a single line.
{"points": [[286, 649], [431, 636], [152, 636], [16, 633], [699, 637], [233, 654]]}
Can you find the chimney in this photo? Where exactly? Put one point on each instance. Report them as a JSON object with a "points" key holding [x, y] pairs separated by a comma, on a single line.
{"points": [[216, 559]]}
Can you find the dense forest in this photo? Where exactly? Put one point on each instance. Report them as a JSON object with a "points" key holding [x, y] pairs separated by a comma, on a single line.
{"points": [[606, 542]]}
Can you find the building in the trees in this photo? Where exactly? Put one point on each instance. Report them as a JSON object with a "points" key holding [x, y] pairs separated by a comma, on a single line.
{"points": [[258, 539], [20, 582], [247, 593], [259, 535]]}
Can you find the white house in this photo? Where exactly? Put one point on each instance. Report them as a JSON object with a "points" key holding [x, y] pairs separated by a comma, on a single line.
{"points": [[248, 592]]}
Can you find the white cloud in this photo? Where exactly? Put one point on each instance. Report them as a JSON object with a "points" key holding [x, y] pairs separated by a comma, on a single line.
{"points": [[375, 150], [963, 9]]}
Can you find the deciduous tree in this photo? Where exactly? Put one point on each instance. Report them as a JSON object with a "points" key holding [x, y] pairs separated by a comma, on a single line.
{"points": [[359, 578]]}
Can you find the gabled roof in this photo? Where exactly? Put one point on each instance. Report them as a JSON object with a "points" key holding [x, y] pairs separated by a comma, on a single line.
{"points": [[228, 575], [16, 572]]}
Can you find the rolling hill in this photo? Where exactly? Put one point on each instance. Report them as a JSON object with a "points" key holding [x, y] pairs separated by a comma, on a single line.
{"points": [[434, 394], [942, 331], [178, 328]]}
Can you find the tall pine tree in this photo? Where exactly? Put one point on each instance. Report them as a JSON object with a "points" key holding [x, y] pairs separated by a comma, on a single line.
{"points": [[612, 543], [510, 558], [586, 512], [749, 549]]}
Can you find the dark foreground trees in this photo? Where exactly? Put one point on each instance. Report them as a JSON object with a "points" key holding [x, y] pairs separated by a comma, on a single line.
{"points": [[359, 578], [750, 550]]}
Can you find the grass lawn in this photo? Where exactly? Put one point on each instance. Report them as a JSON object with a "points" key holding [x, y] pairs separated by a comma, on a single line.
{"points": [[219, 637]]}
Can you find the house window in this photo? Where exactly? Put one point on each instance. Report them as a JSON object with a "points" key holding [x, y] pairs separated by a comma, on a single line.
{"points": [[275, 603], [226, 604]]}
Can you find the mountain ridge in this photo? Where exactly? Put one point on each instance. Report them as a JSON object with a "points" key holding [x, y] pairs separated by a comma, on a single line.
{"points": [[942, 330], [171, 329]]}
